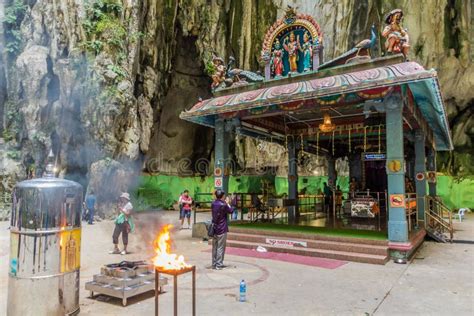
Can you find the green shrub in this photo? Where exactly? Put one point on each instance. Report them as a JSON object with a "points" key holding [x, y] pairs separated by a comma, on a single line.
{"points": [[14, 14]]}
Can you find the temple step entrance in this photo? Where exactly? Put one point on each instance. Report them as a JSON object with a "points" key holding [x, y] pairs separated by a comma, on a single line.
{"points": [[438, 220], [364, 250]]}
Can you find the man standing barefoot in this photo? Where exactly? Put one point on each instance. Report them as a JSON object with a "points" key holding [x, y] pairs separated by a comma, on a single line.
{"points": [[220, 208]]}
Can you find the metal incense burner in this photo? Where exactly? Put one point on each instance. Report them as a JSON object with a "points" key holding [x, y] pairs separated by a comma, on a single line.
{"points": [[175, 274], [45, 247], [124, 280]]}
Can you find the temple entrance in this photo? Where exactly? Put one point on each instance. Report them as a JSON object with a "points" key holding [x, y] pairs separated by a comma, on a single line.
{"points": [[375, 175]]}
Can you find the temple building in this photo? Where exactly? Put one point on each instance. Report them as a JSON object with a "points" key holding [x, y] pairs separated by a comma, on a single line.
{"points": [[385, 115]]}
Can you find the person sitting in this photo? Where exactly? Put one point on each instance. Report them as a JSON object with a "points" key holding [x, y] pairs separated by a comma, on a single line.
{"points": [[353, 186]]}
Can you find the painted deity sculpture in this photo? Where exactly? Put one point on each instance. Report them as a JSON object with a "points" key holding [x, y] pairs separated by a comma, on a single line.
{"points": [[307, 50], [397, 37], [219, 72], [277, 59], [291, 47]]}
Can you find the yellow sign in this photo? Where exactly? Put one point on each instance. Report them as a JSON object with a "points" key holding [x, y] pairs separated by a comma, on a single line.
{"points": [[394, 165], [70, 247]]}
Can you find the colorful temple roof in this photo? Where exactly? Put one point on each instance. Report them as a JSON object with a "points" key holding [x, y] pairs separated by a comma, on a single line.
{"points": [[352, 87]]}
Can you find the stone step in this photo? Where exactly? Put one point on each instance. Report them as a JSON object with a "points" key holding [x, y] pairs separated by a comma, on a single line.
{"points": [[307, 236], [315, 244], [321, 253]]}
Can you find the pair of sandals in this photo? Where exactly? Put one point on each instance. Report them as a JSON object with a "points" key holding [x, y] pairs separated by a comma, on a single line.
{"points": [[118, 252]]}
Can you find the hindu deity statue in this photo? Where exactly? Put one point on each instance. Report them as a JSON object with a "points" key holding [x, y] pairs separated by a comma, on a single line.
{"points": [[291, 47], [307, 50], [397, 37], [218, 76], [277, 59]]}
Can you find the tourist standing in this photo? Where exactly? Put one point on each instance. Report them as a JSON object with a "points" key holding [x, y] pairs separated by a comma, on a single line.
{"points": [[327, 197], [123, 223], [185, 202], [338, 200], [90, 205], [220, 208], [234, 203]]}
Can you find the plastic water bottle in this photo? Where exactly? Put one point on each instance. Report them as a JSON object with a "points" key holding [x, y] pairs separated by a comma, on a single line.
{"points": [[243, 291]]}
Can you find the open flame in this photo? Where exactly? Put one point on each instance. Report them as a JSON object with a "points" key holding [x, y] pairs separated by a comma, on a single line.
{"points": [[164, 259]]}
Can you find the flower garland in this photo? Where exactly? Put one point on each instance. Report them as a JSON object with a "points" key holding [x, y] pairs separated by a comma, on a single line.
{"points": [[350, 139], [302, 146], [379, 139], [333, 143], [365, 138], [317, 146]]}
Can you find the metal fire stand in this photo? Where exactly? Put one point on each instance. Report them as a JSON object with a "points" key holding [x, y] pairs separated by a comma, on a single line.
{"points": [[175, 274]]}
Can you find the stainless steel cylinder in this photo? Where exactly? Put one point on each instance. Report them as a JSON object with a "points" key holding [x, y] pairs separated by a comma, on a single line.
{"points": [[45, 248]]}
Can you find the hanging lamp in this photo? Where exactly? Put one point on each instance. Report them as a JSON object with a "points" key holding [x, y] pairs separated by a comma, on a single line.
{"points": [[327, 125]]}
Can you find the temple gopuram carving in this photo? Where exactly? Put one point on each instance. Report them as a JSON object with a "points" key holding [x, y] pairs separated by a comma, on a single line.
{"points": [[293, 44]]}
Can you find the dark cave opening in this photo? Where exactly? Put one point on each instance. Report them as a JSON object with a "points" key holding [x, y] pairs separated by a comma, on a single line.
{"points": [[188, 83]]}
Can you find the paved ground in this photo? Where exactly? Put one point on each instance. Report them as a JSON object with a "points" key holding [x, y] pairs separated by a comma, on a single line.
{"points": [[439, 281]]}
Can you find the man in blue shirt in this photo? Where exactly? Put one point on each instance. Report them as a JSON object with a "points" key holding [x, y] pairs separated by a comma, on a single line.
{"points": [[90, 204], [220, 208]]}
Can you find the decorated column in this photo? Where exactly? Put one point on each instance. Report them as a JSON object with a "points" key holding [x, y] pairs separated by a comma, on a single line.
{"points": [[420, 172], [292, 179], [221, 156], [431, 174], [397, 221]]}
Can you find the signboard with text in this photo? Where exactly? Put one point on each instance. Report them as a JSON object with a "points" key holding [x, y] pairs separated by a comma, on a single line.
{"points": [[374, 156], [286, 243]]}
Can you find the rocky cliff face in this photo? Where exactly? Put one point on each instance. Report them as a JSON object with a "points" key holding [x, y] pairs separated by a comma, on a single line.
{"points": [[106, 79]]}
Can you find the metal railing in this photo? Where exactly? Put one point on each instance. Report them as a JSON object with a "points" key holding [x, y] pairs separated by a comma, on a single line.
{"points": [[411, 209], [438, 216]]}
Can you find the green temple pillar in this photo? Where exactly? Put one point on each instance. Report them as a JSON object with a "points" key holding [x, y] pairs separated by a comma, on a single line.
{"points": [[292, 179], [221, 156], [431, 166], [420, 173], [397, 221]]}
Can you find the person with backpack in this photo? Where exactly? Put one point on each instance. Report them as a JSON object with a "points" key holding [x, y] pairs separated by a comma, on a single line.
{"points": [[220, 209]]}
